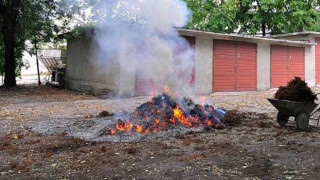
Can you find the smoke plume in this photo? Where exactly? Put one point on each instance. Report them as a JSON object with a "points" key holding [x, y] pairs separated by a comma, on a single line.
{"points": [[141, 36]]}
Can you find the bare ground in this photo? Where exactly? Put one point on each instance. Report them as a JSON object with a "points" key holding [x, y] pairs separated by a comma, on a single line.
{"points": [[255, 147]]}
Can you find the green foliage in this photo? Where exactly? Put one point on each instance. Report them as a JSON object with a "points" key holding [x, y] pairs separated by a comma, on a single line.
{"points": [[255, 16], [212, 16], [76, 32], [294, 16], [38, 21]]}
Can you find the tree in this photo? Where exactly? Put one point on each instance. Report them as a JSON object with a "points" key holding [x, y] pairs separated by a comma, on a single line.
{"points": [[217, 16], [277, 16], [295, 16], [34, 20], [255, 16], [9, 11]]}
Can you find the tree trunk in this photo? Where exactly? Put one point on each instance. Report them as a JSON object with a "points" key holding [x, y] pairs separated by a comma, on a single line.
{"points": [[263, 27], [36, 47], [9, 56], [263, 23], [9, 12]]}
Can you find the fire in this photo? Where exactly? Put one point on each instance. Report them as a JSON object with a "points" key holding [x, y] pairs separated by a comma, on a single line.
{"points": [[171, 120], [138, 128], [156, 125], [128, 125], [113, 131], [162, 112], [120, 125], [166, 89], [177, 112], [209, 122]]}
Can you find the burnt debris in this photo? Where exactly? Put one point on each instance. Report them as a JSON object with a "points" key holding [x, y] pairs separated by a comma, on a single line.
{"points": [[164, 112], [105, 114]]}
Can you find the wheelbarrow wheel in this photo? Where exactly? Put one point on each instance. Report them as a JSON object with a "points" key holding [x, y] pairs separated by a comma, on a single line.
{"points": [[302, 120], [282, 119]]}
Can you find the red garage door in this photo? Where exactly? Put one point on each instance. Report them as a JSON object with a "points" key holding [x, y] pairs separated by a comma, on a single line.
{"points": [[234, 66], [286, 63], [318, 61], [144, 84]]}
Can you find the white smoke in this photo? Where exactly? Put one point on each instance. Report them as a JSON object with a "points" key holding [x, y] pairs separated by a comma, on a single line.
{"points": [[141, 36]]}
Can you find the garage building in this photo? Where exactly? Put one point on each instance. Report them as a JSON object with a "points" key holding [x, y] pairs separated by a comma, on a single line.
{"points": [[222, 62]]}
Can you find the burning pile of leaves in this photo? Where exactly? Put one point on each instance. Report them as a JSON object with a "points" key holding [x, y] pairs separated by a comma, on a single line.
{"points": [[296, 90], [163, 113]]}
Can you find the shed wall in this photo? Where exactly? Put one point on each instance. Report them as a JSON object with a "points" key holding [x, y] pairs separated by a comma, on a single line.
{"points": [[263, 66], [89, 71], [203, 65]]}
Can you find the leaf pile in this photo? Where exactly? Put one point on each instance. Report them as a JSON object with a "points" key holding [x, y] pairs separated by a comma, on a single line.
{"points": [[296, 90]]}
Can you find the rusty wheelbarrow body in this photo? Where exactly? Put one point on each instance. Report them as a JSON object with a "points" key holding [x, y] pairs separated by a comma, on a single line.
{"points": [[300, 110]]}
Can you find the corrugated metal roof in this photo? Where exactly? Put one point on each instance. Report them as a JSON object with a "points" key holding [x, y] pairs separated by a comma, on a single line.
{"points": [[52, 59]]}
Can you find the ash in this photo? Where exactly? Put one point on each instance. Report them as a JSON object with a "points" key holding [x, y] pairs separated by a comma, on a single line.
{"points": [[162, 117], [96, 129]]}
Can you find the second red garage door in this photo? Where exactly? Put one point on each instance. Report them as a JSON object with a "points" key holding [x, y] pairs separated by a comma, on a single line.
{"points": [[286, 63], [234, 66]]}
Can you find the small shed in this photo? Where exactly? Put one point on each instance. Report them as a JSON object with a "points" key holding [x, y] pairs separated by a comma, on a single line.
{"points": [[222, 62]]}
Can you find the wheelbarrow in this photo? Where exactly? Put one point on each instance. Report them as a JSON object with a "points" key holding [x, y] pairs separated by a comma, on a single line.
{"points": [[302, 112]]}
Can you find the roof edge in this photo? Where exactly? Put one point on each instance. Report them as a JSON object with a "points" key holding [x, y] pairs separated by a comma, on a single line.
{"points": [[313, 33], [241, 37]]}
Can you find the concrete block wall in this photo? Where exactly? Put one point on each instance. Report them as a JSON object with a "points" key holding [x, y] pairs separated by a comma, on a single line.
{"points": [[263, 66], [203, 65], [310, 65], [86, 67]]}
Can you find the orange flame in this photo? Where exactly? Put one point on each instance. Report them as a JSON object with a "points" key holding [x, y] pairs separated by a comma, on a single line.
{"points": [[120, 125], [138, 128], [166, 89], [195, 119], [156, 125], [171, 120], [128, 125], [147, 131], [208, 122], [177, 112], [113, 131], [161, 124]]}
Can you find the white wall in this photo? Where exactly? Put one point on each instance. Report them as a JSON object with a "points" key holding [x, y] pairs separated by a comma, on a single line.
{"points": [[203, 65], [263, 66], [32, 69], [86, 67]]}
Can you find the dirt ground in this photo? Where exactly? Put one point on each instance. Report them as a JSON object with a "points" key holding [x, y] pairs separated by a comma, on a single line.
{"points": [[254, 147]]}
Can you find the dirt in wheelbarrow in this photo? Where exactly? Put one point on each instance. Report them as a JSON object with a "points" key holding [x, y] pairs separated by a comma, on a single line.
{"points": [[251, 146], [296, 90]]}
